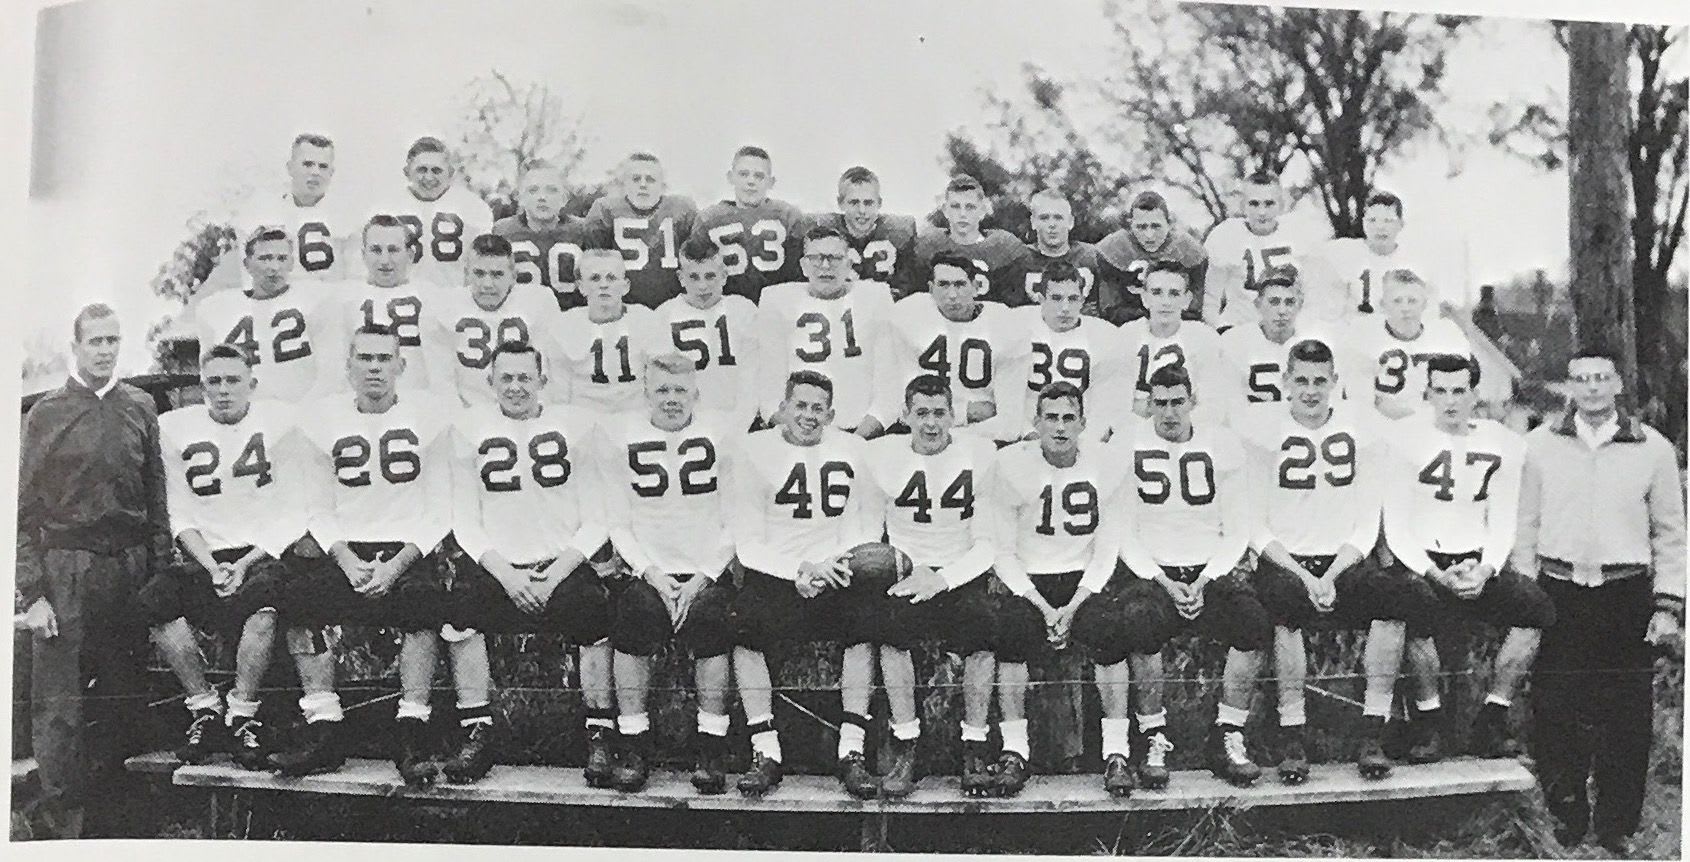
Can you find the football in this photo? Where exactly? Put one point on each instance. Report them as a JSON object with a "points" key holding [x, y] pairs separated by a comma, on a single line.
{"points": [[879, 562]]}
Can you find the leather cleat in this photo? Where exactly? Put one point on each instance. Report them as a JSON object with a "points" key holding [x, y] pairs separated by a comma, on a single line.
{"points": [[978, 776], [250, 750], [1424, 745], [763, 777], [1491, 736], [321, 750], [600, 771], [633, 769], [899, 780], [1293, 756], [1229, 757], [710, 776], [411, 753], [855, 776], [1012, 775], [1153, 769], [1118, 776], [1371, 762], [474, 757], [206, 735]]}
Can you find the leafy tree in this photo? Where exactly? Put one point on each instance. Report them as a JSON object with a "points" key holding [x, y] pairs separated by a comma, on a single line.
{"points": [[503, 126]]}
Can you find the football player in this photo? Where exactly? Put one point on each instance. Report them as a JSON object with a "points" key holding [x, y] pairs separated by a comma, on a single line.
{"points": [[647, 224], [494, 310], [882, 246], [997, 255], [1317, 465], [606, 342], [322, 231], [1056, 510], [1164, 339], [1451, 509], [934, 487], [1397, 343], [1358, 266], [800, 500], [390, 297], [272, 320], [832, 324], [1063, 344], [545, 240], [948, 331], [441, 215], [383, 464], [1148, 235], [1053, 220], [525, 515], [760, 237], [1242, 251], [1256, 355], [1189, 528], [233, 480], [718, 333], [667, 516]]}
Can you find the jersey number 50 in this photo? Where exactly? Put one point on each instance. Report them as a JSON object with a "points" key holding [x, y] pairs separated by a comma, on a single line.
{"points": [[1196, 474]]}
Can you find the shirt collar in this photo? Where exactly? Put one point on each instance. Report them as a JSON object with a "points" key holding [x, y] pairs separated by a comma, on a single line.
{"points": [[102, 392], [1627, 428]]}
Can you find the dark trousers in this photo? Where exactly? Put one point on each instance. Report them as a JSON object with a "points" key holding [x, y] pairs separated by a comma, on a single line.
{"points": [[1592, 704]]}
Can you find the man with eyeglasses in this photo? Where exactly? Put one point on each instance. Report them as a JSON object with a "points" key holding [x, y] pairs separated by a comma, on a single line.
{"points": [[1602, 528]]}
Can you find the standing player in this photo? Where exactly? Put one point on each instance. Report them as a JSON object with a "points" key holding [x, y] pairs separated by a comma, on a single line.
{"points": [[718, 333], [934, 487], [1242, 251], [1062, 344], [1318, 467], [1148, 236], [997, 255], [235, 477], [1056, 511], [800, 500], [760, 236], [545, 240], [491, 311], [1164, 339], [1256, 355], [322, 232], [946, 330], [1190, 527], [1451, 511], [1397, 343], [666, 511], [272, 320], [391, 298], [1358, 266], [1053, 221], [831, 324], [882, 246], [525, 516], [605, 343], [441, 215], [647, 225]]}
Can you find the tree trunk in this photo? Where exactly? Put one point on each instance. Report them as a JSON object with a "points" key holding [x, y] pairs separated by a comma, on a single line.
{"points": [[1599, 224]]}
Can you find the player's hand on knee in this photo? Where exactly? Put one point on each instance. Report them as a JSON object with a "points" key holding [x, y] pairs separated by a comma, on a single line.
{"points": [[41, 621], [924, 583]]}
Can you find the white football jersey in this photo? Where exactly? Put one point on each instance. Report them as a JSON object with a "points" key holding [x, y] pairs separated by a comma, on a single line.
{"points": [[1192, 502], [1194, 346], [1318, 489], [443, 230], [408, 310], [839, 337], [935, 508], [525, 488], [1052, 520], [602, 365], [325, 238], [666, 504], [239, 484], [471, 334], [1361, 271], [722, 342], [1255, 366], [282, 333], [1398, 365], [794, 504], [1238, 261], [977, 356], [1452, 493], [384, 477], [1092, 356]]}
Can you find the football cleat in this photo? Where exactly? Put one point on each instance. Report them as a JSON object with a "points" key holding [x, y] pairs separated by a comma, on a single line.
{"points": [[710, 777], [1013, 772], [763, 776], [321, 750], [1229, 757], [899, 781], [977, 773], [410, 752], [474, 757], [1293, 756], [1153, 770], [856, 778], [1118, 776], [632, 771], [601, 757], [1372, 762], [1491, 736], [206, 736], [248, 736], [1424, 745]]}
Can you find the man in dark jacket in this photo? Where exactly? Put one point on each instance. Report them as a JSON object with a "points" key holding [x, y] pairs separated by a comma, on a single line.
{"points": [[91, 524]]}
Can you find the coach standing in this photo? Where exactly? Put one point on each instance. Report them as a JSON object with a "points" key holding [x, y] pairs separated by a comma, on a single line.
{"points": [[91, 523], [1602, 524]]}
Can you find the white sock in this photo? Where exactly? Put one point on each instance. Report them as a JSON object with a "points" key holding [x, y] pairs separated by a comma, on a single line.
{"points": [[908, 730], [601, 721], [1231, 715], [241, 708], [1499, 700], [1376, 704], [1014, 735], [206, 700], [970, 733], [1152, 721], [1292, 715], [1428, 704], [767, 744], [712, 724], [850, 739], [322, 706], [419, 711], [633, 725], [1117, 736]]}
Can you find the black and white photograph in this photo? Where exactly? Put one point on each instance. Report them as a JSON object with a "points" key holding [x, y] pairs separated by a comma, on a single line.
{"points": [[1100, 427]]}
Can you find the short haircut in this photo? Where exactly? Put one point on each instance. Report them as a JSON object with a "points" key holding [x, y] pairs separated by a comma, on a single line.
{"points": [[699, 249], [267, 233], [226, 350], [536, 165], [927, 384], [92, 311], [857, 174], [313, 139], [821, 232], [1060, 389], [1596, 352], [518, 348], [1310, 350], [491, 245], [1383, 199], [642, 156], [950, 259], [426, 144], [1169, 265], [1452, 362], [1063, 271], [1282, 276], [1262, 178], [1403, 276], [1170, 375], [672, 362], [1051, 196], [806, 377], [1150, 202], [600, 254], [753, 151], [389, 221], [375, 329], [964, 183]]}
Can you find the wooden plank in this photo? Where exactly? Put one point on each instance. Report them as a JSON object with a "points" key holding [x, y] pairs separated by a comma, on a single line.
{"points": [[547, 785], [23, 770], [152, 763]]}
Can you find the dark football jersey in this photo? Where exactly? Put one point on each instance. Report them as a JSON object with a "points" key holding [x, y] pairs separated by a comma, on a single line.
{"points": [[760, 245], [650, 242], [1123, 263], [997, 255], [547, 255], [884, 254], [1084, 257]]}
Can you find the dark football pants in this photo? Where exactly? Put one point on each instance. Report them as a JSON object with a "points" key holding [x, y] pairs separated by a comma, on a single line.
{"points": [[1592, 702], [102, 636]]}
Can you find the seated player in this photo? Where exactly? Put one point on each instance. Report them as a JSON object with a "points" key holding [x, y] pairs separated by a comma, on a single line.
{"points": [[831, 324], [440, 213], [1451, 509], [545, 240], [665, 508], [525, 515], [1396, 344], [604, 344], [1063, 344], [647, 224], [232, 478], [1256, 355], [933, 486], [273, 319], [760, 236], [1053, 220], [391, 298], [1164, 339], [1242, 251], [946, 330], [1189, 528], [718, 333], [383, 462], [491, 310], [1148, 236], [882, 246], [800, 500], [1056, 510], [1317, 465], [997, 254]]}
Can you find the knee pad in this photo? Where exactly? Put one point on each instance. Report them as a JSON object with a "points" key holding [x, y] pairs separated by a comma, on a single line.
{"points": [[642, 621]]}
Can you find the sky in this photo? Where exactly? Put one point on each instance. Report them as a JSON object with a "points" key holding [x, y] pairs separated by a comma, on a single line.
{"points": [[145, 115]]}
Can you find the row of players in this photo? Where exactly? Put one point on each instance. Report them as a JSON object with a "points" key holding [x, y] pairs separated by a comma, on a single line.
{"points": [[761, 236], [374, 509], [996, 358]]}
